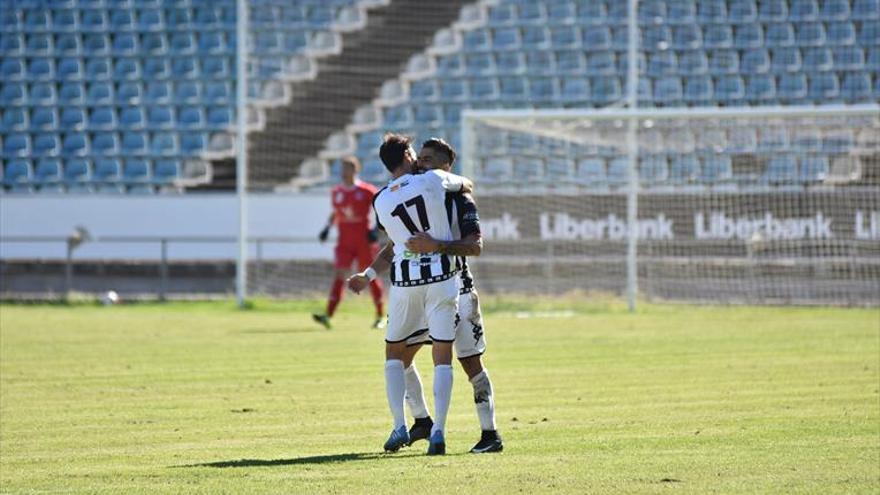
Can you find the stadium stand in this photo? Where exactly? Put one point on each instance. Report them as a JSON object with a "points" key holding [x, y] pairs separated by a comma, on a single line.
{"points": [[145, 85]]}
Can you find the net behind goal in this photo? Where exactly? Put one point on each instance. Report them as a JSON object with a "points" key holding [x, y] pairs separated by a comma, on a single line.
{"points": [[742, 205]]}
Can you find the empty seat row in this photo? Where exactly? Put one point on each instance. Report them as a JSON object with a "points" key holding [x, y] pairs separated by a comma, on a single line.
{"points": [[84, 175], [16, 119], [109, 93], [82, 144], [673, 12], [119, 69], [106, 19]]}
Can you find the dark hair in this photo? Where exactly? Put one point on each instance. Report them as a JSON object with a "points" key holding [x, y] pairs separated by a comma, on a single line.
{"points": [[393, 149], [353, 161], [441, 145]]}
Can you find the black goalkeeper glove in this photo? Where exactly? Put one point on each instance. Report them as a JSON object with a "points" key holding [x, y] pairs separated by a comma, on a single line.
{"points": [[373, 235], [324, 233]]}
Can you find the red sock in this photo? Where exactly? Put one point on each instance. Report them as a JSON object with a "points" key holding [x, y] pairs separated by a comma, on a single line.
{"points": [[376, 291], [335, 296]]}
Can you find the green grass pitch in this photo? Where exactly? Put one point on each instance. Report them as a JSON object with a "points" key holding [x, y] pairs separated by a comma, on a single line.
{"points": [[203, 398]]}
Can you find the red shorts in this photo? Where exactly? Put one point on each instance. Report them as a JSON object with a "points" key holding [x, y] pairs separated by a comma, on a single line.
{"points": [[362, 252]]}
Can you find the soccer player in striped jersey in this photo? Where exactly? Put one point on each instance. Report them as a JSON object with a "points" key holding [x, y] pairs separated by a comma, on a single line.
{"points": [[424, 285], [470, 342]]}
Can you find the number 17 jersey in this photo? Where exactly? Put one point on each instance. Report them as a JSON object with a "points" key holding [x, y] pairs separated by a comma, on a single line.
{"points": [[411, 204]]}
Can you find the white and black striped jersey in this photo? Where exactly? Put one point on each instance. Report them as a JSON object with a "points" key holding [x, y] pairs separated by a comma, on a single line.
{"points": [[411, 204], [465, 220]]}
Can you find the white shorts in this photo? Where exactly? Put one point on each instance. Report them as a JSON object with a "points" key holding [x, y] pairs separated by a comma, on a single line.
{"points": [[469, 337], [410, 308]]}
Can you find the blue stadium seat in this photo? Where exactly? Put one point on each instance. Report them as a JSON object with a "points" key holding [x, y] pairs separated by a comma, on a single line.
{"points": [[717, 169], [779, 35], [804, 10], [75, 144], [872, 63], [528, 169], [773, 139], [14, 119], [129, 93], [838, 142], [535, 38], [150, 20], [559, 170], [185, 68], [814, 169], [761, 89], [12, 43], [561, 13], [73, 118], [510, 62], [543, 89], [96, 45], [841, 33], [698, 90], [68, 45], [606, 90], [507, 38], [711, 11], [69, 69], [41, 69], [849, 58], [785, 60], [693, 63], [781, 170], [684, 169], [102, 118], [476, 40], [137, 173], [193, 143], [656, 38], [135, 143], [808, 139], [565, 37], [156, 68], [591, 172], [742, 140], [165, 172], [191, 118], [39, 45], [154, 44], [668, 91], [215, 67], [483, 89], [46, 145], [160, 117], [37, 21], [597, 38], [48, 174], [602, 63], [810, 34], [126, 69], [755, 61], [124, 44], [11, 20], [687, 37], [164, 144], [94, 21], [423, 90], [399, 117], [496, 171], [479, 64], [212, 42], [531, 13], [749, 36], [122, 20], [13, 94], [663, 63], [100, 93], [78, 175], [869, 34], [730, 90], [681, 13], [453, 90], [866, 9], [718, 36], [724, 62], [620, 38], [178, 18], [792, 88], [856, 87], [818, 59], [188, 92], [183, 43], [98, 69], [44, 119], [618, 172], [107, 171], [834, 10], [772, 11], [653, 170], [105, 144], [652, 12], [571, 62], [43, 93], [428, 116], [217, 92], [513, 89], [18, 175], [574, 90], [452, 115]]}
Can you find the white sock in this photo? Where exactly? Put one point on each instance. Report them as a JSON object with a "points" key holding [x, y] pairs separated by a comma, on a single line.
{"points": [[396, 389], [484, 400], [415, 398], [442, 396]]}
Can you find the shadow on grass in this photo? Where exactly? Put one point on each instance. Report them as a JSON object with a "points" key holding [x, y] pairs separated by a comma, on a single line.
{"points": [[315, 459]]}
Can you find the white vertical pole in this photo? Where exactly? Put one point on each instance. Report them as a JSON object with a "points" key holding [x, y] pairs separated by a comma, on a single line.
{"points": [[241, 152], [466, 164], [632, 100]]}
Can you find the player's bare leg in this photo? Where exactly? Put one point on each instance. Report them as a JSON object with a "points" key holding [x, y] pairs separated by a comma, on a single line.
{"points": [[415, 397], [490, 440], [442, 354], [395, 388], [336, 289]]}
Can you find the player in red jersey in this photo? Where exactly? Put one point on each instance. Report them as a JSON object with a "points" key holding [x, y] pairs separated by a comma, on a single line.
{"points": [[352, 213]]}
